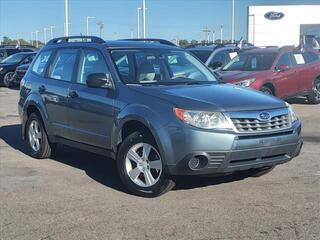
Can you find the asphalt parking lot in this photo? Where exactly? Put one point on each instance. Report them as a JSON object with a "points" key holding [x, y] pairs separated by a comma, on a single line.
{"points": [[78, 195]]}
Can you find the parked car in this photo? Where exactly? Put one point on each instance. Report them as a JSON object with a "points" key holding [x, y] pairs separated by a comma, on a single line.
{"points": [[216, 56], [7, 50], [285, 72], [18, 75], [9, 65], [127, 100]]}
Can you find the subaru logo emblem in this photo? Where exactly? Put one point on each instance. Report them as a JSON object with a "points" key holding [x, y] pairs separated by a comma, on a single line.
{"points": [[264, 116]]}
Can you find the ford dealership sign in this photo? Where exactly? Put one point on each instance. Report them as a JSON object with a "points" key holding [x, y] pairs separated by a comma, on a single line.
{"points": [[274, 15]]}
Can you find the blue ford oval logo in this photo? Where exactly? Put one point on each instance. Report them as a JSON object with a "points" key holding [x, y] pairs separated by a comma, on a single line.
{"points": [[264, 116], [274, 15]]}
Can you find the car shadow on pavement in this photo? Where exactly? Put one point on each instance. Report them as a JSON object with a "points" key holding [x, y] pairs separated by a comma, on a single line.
{"points": [[100, 168]]}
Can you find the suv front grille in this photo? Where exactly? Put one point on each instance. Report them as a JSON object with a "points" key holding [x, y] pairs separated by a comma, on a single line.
{"points": [[256, 125]]}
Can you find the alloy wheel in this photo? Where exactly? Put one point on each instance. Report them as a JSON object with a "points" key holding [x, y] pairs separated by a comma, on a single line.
{"points": [[35, 135], [143, 165], [316, 89]]}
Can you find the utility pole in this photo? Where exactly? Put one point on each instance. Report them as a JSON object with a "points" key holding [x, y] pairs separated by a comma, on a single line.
{"points": [[232, 28], [206, 33], [221, 34], [88, 24], [45, 35], [51, 31], [138, 21], [144, 18], [37, 44], [66, 24], [101, 26]]}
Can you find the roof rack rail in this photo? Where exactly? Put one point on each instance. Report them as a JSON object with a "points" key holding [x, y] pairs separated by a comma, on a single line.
{"points": [[91, 39], [157, 40]]}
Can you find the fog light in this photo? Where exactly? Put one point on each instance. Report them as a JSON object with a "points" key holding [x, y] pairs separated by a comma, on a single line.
{"points": [[194, 163]]}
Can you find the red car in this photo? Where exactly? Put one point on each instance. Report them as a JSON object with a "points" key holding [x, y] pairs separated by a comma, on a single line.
{"points": [[283, 72]]}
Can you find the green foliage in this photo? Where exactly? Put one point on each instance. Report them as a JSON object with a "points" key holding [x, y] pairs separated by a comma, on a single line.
{"points": [[21, 41]]}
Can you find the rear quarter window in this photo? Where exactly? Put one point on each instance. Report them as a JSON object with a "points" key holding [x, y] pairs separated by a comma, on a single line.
{"points": [[40, 62]]}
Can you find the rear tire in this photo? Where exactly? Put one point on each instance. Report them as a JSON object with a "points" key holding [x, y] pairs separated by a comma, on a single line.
{"points": [[266, 90], [136, 170], [36, 138], [314, 97], [7, 79]]}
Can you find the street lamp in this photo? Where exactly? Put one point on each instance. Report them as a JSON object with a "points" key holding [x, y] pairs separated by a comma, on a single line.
{"points": [[66, 24], [88, 24], [51, 31], [221, 34], [37, 32], [144, 18], [45, 35], [232, 28], [138, 21]]}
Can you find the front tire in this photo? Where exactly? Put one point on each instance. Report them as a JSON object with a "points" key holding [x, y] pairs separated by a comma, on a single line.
{"points": [[141, 168], [36, 138], [7, 79], [314, 97], [266, 90]]}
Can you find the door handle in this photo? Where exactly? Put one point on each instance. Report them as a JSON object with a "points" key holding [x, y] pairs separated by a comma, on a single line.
{"points": [[42, 89], [73, 94]]}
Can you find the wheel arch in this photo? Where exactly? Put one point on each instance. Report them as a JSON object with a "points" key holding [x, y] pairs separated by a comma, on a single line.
{"points": [[271, 86]]}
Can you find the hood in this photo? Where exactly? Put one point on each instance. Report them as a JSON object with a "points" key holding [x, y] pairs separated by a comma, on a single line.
{"points": [[236, 76], [212, 97]]}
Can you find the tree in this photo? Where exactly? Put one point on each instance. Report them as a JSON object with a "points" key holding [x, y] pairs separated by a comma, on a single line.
{"points": [[183, 43], [194, 42]]}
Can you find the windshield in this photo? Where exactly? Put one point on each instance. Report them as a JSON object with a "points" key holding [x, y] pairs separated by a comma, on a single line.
{"points": [[165, 67], [251, 62], [15, 58], [202, 55]]}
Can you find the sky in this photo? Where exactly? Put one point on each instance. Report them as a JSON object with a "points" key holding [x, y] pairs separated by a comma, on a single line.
{"points": [[168, 19]]}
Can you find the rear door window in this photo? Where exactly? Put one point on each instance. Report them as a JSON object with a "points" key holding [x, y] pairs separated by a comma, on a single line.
{"points": [[40, 62], [63, 64]]}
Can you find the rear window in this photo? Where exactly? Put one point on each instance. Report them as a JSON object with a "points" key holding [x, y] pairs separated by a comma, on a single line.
{"points": [[202, 55], [310, 57], [40, 62]]}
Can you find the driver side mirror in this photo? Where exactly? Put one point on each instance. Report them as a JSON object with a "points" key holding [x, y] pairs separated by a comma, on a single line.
{"points": [[215, 65], [283, 68], [99, 80]]}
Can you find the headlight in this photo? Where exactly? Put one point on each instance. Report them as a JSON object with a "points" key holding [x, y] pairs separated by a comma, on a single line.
{"points": [[292, 114], [1, 68], [205, 120], [245, 83]]}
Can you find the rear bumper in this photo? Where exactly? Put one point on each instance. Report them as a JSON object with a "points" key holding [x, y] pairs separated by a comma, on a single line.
{"points": [[226, 152]]}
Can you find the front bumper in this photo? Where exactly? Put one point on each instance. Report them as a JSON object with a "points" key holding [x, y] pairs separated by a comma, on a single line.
{"points": [[227, 152]]}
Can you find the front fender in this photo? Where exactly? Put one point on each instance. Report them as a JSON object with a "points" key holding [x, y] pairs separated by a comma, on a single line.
{"points": [[153, 120]]}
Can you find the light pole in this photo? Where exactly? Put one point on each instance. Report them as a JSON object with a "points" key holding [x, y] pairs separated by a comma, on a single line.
{"points": [[221, 34], [37, 32], [45, 35], [253, 28], [213, 36], [31, 40], [138, 21], [232, 25], [144, 18], [88, 24], [66, 24], [101, 26], [51, 31]]}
